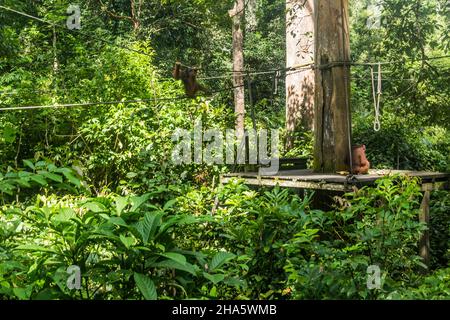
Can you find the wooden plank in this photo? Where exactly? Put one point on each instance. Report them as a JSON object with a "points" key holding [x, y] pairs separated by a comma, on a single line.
{"points": [[291, 184], [309, 175]]}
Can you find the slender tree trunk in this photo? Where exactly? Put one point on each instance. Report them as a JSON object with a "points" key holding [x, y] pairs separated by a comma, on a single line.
{"points": [[299, 51], [332, 151], [238, 14]]}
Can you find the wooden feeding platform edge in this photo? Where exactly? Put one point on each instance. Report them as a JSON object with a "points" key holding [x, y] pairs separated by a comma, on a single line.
{"points": [[307, 179]]}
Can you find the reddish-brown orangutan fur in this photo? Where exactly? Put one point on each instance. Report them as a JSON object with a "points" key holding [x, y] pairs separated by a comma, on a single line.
{"points": [[360, 163], [189, 78]]}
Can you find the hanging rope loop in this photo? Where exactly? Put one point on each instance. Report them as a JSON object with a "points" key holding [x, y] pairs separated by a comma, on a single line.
{"points": [[377, 93]]}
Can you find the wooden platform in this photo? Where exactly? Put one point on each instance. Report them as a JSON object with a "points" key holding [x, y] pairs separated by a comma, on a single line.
{"points": [[307, 179]]}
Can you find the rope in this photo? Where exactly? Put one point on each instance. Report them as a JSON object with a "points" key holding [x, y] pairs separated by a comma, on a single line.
{"points": [[377, 97], [87, 104], [250, 98]]}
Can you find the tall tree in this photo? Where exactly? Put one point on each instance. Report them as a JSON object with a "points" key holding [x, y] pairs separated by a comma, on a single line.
{"points": [[299, 83], [332, 151], [238, 15]]}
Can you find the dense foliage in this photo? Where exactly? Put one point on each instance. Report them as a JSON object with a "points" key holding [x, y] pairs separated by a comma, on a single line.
{"points": [[94, 186]]}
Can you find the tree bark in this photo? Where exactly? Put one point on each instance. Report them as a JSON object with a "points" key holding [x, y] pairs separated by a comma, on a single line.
{"points": [[238, 14], [299, 84], [332, 151]]}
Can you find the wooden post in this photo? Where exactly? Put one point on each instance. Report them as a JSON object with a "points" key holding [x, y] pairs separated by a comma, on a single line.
{"points": [[238, 14], [424, 244], [332, 150], [299, 83]]}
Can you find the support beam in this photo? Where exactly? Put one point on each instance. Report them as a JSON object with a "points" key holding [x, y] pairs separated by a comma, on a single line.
{"points": [[424, 216], [332, 150]]}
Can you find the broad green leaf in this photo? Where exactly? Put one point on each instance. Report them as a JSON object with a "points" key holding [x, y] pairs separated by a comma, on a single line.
{"points": [[40, 164], [33, 247], [65, 214], [23, 293], [23, 183], [51, 167], [118, 221], [69, 176], [29, 164], [121, 203], [171, 264], [95, 206], [169, 204], [214, 278], [145, 286], [137, 202], [51, 176], [147, 227], [131, 175], [127, 241], [175, 257], [39, 179], [219, 259]]}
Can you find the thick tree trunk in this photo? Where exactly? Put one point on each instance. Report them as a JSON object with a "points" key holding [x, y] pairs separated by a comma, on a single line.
{"points": [[299, 51], [238, 14], [332, 151]]}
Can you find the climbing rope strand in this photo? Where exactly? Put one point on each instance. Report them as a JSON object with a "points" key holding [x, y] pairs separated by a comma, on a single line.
{"points": [[377, 92], [88, 104]]}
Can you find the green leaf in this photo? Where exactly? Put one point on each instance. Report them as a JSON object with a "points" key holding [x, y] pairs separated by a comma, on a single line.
{"points": [[39, 179], [69, 176], [169, 204], [95, 206], [137, 202], [131, 175], [65, 214], [9, 134], [23, 293], [171, 264], [29, 164], [121, 203], [118, 221], [127, 241], [51, 176], [175, 257], [23, 183], [214, 278], [33, 247], [145, 286], [220, 259], [147, 227]]}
